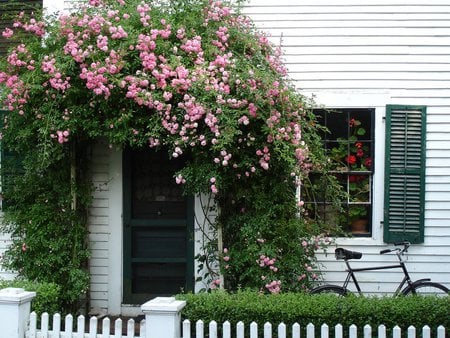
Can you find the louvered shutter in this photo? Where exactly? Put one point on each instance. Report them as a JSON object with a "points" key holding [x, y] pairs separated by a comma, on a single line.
{"points": [[404, 174]]}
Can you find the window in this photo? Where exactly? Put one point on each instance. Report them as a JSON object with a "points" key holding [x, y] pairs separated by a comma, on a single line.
{"points": [[404, 174], [350, 148]]}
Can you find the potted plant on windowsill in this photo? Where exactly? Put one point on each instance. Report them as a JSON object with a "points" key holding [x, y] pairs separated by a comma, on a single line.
{"points": [[358, 219]]}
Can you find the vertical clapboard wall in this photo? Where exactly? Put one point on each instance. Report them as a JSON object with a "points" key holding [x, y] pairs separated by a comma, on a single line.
{"points": [[394, 52]]}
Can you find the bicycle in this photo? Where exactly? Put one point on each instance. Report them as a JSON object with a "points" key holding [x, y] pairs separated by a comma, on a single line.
{"points": [[406, 287]]}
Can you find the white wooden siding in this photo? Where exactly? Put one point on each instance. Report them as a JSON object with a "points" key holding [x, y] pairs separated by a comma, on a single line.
{"points": [[400, 46], [399, 52], [5, 241], [99, 229]]}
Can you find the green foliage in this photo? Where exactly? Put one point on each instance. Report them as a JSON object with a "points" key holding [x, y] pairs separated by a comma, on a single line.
{"points": [[193, 76], [289, 308], [47, 294], [48, 234], [269, 248]]}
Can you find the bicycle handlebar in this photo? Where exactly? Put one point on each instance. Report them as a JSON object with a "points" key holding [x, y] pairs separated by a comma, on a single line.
{"points": [[405, 244]]}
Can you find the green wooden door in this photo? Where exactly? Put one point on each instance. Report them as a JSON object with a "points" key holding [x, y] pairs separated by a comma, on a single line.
{"points": [[158, 224]]}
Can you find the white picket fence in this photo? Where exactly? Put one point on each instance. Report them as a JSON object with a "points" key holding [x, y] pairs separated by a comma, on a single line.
{"points": [[82, 331], [163, 320], [311, 332], [212, 330]]}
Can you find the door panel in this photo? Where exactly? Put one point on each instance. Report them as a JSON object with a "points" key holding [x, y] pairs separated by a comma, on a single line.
{"points": [[159, 242], [158, 278], [158, 223]]}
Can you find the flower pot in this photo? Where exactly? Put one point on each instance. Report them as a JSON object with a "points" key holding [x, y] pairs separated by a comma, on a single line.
{"points": [[359, 226]]}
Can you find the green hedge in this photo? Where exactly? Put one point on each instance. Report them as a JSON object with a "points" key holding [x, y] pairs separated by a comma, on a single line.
{"points": [[47, 294], [289, 308]]}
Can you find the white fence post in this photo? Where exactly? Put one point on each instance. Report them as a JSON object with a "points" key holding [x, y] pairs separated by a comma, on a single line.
{"points": [[163, 317], [15, 307]]}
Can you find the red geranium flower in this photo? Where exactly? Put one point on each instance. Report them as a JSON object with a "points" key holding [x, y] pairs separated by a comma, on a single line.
{"points": [[351, 159]]}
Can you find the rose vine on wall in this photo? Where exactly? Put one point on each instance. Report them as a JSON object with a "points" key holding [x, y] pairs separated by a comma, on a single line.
{"points": [[194, 76]]}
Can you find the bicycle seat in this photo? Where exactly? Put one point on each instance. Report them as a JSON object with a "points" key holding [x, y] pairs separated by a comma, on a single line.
{"points": [[342, 253]]}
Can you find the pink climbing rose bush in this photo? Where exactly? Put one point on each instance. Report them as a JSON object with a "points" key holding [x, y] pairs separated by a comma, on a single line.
{"points": [[193, 77]]}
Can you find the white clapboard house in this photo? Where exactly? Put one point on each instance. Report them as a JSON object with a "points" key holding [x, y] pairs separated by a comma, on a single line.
{"points": [[384, 63]]}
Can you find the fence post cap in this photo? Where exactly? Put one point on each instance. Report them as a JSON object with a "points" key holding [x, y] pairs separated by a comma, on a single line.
{"points": [[163, 304], [16, 295]]}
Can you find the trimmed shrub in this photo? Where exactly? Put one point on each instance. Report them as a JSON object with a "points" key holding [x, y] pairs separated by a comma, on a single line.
{"points": [[47, 294], [303, 308]]}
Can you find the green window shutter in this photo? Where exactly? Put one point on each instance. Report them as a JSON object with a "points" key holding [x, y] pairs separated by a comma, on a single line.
{"points": [[404, 196]]}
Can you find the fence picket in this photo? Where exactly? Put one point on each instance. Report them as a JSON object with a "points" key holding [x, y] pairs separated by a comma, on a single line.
{"points": [[338, 331], [106, 327], [411, 332], [324, 332], [396, 332], [93, 327], [440, 332], [296, 330], [426, 332], [367, 331], [186, 329], [310, 331], [213, 329], [253, 330], [353, 331], [226, 330], [130, 328], [80, 327], [44, 325], [267, 330], [118, 328], [56, 325], [381, 331], [199, 329], [68, 326], [282, 330], [33, 321], [240, 330]]}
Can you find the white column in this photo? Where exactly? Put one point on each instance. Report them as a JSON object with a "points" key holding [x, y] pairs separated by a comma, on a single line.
{"points": [[163, 317], [15, 307]]}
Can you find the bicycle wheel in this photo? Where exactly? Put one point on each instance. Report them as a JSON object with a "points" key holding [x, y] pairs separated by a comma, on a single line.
{"points": [[427, 289], [333, 289]]}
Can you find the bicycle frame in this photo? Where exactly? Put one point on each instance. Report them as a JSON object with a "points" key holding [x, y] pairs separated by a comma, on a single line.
{"points": [[406, 279]]}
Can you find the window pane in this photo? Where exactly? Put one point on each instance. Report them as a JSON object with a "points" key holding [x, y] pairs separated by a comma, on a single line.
{"points": [[359, 188], [349, 146]]}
